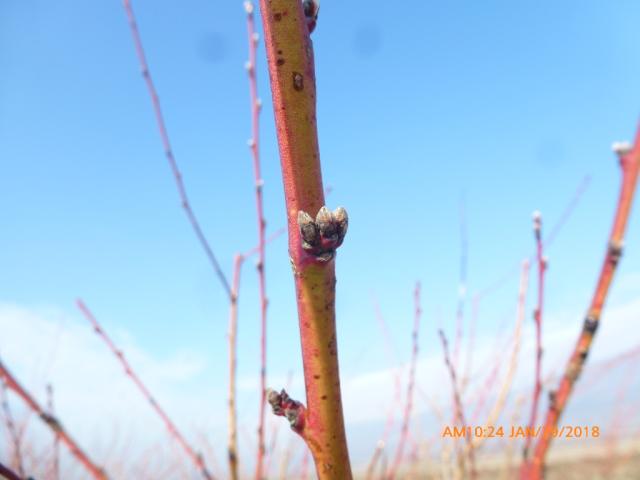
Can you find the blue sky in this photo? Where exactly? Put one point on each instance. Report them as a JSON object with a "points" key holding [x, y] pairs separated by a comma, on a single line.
{"points": [[421, 104]]}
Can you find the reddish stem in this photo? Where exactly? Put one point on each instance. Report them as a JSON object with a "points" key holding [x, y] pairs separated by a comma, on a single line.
{"points": [[6, 472], [630, 165], [232, 442], [55, 467], [457, 402], [292, 75], [53, 423], [254, 144], [555, 230], [13, 431], [537, 316], [404, 432], [478, 297], [195, 458], [512, 365], [164, 136]]}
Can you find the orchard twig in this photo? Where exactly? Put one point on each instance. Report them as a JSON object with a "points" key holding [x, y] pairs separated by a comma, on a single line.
{"points": [[195, 458], [629, 159]]}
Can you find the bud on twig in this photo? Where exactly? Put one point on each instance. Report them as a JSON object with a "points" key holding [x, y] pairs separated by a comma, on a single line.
{"points": [[324, 235], [311, 9], [537, 223], [284, 406], [621, 148]]}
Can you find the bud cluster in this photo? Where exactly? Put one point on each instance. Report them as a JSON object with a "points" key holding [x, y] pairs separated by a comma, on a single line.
{"points": [[323, 235], [284, 406]]}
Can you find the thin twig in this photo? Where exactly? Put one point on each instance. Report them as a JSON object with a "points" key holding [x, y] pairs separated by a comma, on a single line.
{"points": [[164, 135], [629, 158], [404, 432], [55, 464], [232, 443], [503, 279], [555, 230], [457, 402], [499, 404], [13, 431], [53, 423], [254, 144], [537, 316], [6, 472], [195, 458]]}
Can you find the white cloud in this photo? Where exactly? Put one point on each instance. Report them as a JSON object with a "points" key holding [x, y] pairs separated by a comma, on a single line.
{"points": [[98, 404], [104, 411]]}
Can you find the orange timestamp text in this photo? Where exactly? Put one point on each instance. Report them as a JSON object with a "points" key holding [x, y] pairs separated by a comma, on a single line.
{"points": [[519, 431]]}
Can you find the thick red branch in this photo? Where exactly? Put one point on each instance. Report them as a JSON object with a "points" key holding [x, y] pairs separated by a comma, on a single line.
{"points": [[53, 423], [312, 243]]}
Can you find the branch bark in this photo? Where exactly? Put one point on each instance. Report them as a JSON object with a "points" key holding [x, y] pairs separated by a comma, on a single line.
{"points": [[537, 317], [311, 244]]}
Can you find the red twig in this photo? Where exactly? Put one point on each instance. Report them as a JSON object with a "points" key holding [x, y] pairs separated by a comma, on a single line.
{"points": [[479, 296], [182, 192], [404, 433], [555, 230], [537, 316], [630, 164], [457, 402], [232, 443], [55, 464], [254, 144], [53, 423], [6, 472], [195, 458], [13, 431]]}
